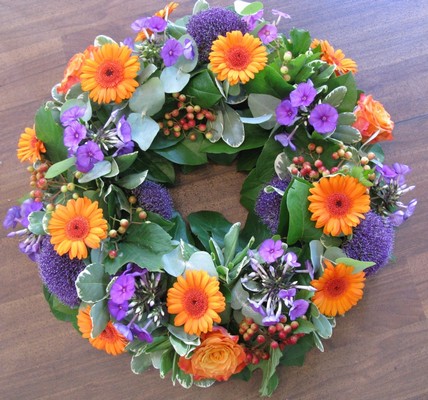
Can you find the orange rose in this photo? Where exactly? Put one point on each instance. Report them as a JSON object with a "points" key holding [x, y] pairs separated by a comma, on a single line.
{"points": [[371, 118], [73, 70], [218, 357]]}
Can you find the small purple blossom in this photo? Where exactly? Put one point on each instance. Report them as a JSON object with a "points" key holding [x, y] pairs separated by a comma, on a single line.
{"points": [[12, 217], [156, 24], [87, 156], [142, 334], [395, 172], [31, 246], [122, 289], [303, 95], [270, 250], [324, 118], [188, 52], [129, 41], [298, 309], [287, 295], [285, 140], [399, 216], [118, 311], [125, 145], [271, 319], [268, 33], [171, 51], [139, 24], [72, 115], [309, 269], [125, 330], [27, 207], [74, 133], [285, 113], [253, 19], [280, 15], [291, 259]]}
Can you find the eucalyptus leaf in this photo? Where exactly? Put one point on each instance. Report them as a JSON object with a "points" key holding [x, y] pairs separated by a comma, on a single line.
{"points": [[149, 98], [202, 261], [35, 220], [173, 79], [133, 180], [317, 250], [234, 132], [216, 127], [263, 104], [100, 169], [91, 283], [184, 64], [333, 253], [143, 130], [199, 6], [357, 264], [239, 296], [322, 326], [100, 316], [60, 167], [147, 72]]}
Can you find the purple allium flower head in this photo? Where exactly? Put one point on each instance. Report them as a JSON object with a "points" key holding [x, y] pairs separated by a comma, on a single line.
{"points": [[171, 51], [122, 289], [298, 309], [118, 311], [207, 25], [73, 135], [72, 115], [268, 204], [285, 140], [303, 95], [251, 20], [286, 113], [324, 118], [59, 273], [268, 33], [188, 50], [87, 156], [12, 217], [156, 24], [270, 250], [27, 207], [372, 240], [154, 197]]}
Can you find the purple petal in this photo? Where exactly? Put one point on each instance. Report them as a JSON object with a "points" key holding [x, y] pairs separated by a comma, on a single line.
{"points": [[298, 309]]}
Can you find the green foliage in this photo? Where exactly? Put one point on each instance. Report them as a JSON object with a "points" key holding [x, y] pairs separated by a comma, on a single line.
{"points": [[60, 310], [295, 355], [91, 284], [186, 152], [203, 90]]}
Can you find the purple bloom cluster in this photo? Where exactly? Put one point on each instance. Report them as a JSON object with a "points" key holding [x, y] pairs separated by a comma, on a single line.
{"points": [[395, 172], [268, 204], [59, 273], [154, 197], [207, 25], [372, 240], [171, 51], [74, 131], [155, 24]]}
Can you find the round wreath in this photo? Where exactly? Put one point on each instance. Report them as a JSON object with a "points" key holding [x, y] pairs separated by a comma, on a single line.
{"points": [[203, 299]]}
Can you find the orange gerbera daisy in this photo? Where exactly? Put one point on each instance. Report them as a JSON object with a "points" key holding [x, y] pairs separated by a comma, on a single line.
{"points": [[110, 75], [197, 301], [110, 339], [338, 289], [338, 204], [335, 57], [237, 57], [29, 147], [78, 224]]}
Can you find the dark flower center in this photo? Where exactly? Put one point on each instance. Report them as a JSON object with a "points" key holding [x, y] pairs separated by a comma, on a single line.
{"points": [[110, 74], [77, 228], [338, 204], [195, 302], [238, 58], [336, 287]]}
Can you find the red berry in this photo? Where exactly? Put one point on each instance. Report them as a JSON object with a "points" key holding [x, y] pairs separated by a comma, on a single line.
{"points": [[175, 113], [112, 254], [260, 339], [294, 325], [318, 163], [272, 330], [274, 344]]}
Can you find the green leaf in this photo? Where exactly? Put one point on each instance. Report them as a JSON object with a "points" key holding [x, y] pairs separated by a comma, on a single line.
{"points": [[160, 169], [318, 342], [322, 326], [203, 89], [295, 355], [233, 128], [244, 8], [336, 96], [199, 6], [269, 378], [82, 102], [51, 134], [91, 283], [100, 316], [133, 180], [174, 80], [231, 242], [180, 230], [166, 362], [301, 41], [358, 265], [143, 244], [347, 134], [349, 101], [184, 64], [149, 98], [140, 363], [100, 40], [262, 104], [143, 130], [36, 225], [100, 169], [304, 327], [346, 118], [186, 152], [239, 296], [180, 348], [60, 310], [179, 333]]}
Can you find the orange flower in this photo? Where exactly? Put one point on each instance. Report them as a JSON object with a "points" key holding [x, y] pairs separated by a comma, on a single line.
{"points": [[218, 357], [197, 301], [237, 57], [78, 224], [338, 289], [338, 203], [372, 119], [29, 147], [110, 339], [110, 75], [335, 57], [164, 13]]}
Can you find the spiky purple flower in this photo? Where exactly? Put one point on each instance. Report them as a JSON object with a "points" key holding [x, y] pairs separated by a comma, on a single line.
{"points": [[324, 118], [372, 240], [59, 273], [268, 204], [207, 25], [154, 197]]}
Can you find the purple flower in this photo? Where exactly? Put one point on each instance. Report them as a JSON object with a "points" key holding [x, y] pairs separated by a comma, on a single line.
{"points": [[287, 294], [156, 24], [303, 95], [125, 330], [324, 118], [118, 311], [27, 207], [309, 269], [73, 135], [142, 334], [125, 145], [188, 51], [72, 115], [399, 216], [270, 250], [251, 20], [285, 113], [271, 319], [372, 240], [154, 197], [139, 24], [12, 217], [171, 51], [59, 273], [280, 15], [207, 25], [87, 156], [298, 309], [268, 33], [268, 204], [291, 259], [285, 140], [31, 246], [396, 172], [129, 41], [122, 289]]}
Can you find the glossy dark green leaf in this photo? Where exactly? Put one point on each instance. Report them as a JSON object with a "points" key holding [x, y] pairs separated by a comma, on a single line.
{"points": [[203, 89]]}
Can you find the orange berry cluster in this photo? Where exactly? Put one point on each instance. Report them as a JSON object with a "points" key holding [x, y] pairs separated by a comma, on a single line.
{"points": [[260, 339], [38, 181], [187, 118]]}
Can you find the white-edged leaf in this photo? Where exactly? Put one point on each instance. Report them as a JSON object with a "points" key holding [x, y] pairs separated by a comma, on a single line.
{"points": [[336, 96], [140, 363], [346, 134], [281, 166], [234, 132], [99, 317], [100, 169], [60, 167], [257, 120], [91, 283], [199, 6]]}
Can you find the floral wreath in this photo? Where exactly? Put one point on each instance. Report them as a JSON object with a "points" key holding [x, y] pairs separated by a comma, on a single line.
{"points": [[202, 299]]}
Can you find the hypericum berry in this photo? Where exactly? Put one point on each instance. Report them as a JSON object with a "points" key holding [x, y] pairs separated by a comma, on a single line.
{"points": [[167, 116], [124, 222], [191, 123], [296, 160], [294, 171], [121, 230], [64, 189], [287, 56], [287, 329], [142, 215], [192, 137], [112, 254], [182, 97], [282, 335], [170, 123], [284, 70], [311, 146], [319, 149], [190, 109], [200, 116], [175, 95], [335, 155], [274, 344], [71, 186], [279, 326], [246, 336], [132, 199], [334, 170], [75, 196], [348, 155], [260, 339], [341, 152], [364, 160], [287, 78], [314, 174], [283, 319], [30, 169], [318, 163], [177, 128], [371, 156], [190, 116], [166, 132], [50, 207], [197, 108], [294, 325], [202, 127], [112, 233], [301, 159], [177, 134], [292, 339], [209, 135], [272, 330]]}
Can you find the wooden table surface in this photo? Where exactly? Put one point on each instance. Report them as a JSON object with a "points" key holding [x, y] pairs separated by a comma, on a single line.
{"points": [[378, 351]]}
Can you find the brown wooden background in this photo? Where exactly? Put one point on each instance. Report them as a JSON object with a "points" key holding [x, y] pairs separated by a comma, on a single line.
{"points": [[378, 351]]}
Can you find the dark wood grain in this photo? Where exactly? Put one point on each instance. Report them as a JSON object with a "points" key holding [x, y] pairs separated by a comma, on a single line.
{"points": [[378, 351]]}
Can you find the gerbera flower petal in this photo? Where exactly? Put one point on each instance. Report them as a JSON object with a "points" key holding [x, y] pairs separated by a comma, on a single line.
{"points": [[29, 147]]}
